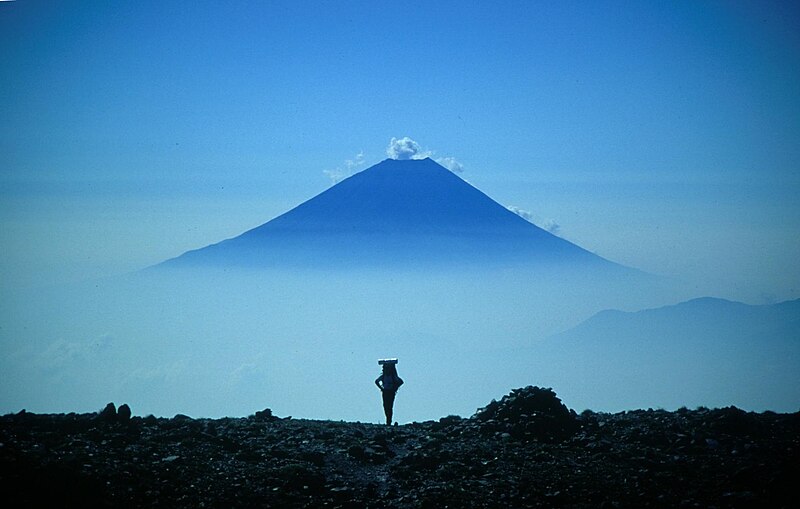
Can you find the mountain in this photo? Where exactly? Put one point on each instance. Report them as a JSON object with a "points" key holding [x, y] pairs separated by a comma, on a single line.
{"points": [[705, 351], [395, 212], [212, 341]]}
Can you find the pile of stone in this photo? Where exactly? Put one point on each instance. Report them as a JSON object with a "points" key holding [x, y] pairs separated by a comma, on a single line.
{"points": [[529, 413]]}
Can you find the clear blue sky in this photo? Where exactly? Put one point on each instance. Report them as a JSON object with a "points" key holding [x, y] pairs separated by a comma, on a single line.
{"points": [[663, 135]]}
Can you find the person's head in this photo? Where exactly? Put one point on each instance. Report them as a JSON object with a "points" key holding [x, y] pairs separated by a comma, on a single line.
{"points": [[389, 369]]}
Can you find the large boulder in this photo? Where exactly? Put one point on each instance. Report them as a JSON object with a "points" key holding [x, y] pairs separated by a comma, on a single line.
{"points": [[124, 413]]}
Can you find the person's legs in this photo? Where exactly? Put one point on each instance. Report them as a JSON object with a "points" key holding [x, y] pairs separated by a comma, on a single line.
{"points": [[388, 403]]}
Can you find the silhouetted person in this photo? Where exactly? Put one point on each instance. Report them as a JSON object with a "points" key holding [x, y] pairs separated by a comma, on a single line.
{"points": [[388, 383]]}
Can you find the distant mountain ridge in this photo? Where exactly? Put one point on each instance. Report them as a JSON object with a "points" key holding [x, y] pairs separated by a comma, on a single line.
{"points": [[395, 212], [731, 317], [705, 351]]}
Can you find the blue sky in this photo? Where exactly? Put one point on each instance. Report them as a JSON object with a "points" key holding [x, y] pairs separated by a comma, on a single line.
{"points": [[663, 135]]}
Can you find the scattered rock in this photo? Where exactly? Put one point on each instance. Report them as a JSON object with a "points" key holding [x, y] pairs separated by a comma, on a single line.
{"points": [[525, 450]]}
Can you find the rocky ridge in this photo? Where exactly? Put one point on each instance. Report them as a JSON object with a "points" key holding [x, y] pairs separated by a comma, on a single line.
{"points": [[526, 450]]}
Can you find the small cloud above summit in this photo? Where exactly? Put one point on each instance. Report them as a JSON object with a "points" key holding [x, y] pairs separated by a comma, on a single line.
{"points": [[405, 148]]}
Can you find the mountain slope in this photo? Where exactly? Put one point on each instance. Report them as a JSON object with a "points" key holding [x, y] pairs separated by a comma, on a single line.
{"points": [[410, 211]]}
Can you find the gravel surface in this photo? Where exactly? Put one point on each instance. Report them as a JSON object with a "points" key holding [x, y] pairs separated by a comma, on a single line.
{"points": [[526, 450]]}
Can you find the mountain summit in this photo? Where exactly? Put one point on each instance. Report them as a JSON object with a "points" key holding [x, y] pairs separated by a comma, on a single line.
{"points": [[396, 212]]}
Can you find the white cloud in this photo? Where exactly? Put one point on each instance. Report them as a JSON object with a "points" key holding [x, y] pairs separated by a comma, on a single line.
{"points": [[524, 214], [405, 148], [350, 167], [451, 164], [551, 226], [336, 175], [355, 162], [545, 224]]}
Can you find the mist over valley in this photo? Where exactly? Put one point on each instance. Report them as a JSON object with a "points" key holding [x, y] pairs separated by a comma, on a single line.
{"points": [[406, 260]]}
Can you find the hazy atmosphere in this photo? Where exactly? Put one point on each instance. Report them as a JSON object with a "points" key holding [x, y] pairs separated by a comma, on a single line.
{"points": [[660, 137]]}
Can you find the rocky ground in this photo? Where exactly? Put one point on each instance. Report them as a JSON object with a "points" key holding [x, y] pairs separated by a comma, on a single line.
{"points": [[526, 450]]}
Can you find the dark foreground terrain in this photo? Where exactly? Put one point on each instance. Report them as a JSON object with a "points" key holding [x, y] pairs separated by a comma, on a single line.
{"points": [[527, 450]]}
